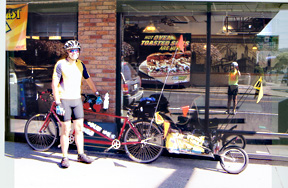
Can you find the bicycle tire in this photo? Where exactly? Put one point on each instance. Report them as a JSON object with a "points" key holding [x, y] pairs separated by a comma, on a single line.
{"points": [[233, 159], [44, 140], [239, 141], [145, 152]]}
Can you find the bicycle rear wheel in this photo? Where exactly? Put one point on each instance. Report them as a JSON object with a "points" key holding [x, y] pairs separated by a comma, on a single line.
{"points": [[39, 135], [151, 145], [233, 159]]}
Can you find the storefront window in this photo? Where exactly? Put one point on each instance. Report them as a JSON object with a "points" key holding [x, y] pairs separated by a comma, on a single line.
{"points": [[251, 34], [49, 26]]}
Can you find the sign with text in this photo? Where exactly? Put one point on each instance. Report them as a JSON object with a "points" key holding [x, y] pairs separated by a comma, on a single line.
{"points": [[162, 55], [16, 24], [267, 43], [154, 43]]}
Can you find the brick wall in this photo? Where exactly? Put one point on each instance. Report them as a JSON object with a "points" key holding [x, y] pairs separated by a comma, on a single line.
{"points": [[97, 35], [37, 1]]}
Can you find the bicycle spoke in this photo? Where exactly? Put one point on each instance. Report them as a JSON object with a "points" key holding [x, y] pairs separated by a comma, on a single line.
{"points": [[151, 144], [234, 159], [44, 139]]}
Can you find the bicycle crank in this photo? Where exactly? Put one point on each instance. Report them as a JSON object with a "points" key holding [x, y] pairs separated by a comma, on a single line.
{"points": [[71, 139], [116, 144], [146, 142]]}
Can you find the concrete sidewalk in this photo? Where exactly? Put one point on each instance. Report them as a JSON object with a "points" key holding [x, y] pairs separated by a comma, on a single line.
{"points": [[30, 169]]}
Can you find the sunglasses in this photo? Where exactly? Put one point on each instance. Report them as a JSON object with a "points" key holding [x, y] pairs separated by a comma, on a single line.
{"points": [[74, 50]]}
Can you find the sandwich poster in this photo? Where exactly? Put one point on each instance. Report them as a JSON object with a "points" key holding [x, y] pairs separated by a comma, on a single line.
{"points": [[16, 24], [160, 56]]}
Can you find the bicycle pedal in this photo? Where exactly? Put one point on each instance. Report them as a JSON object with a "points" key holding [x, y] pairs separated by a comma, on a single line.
{"points": [[115, 145], [106, 150]]}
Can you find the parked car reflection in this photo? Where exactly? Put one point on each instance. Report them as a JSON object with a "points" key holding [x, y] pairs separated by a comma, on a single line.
{"points": [[131, 85]]}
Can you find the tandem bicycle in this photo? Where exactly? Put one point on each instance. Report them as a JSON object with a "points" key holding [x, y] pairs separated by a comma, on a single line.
{"points": [[143, 140]]}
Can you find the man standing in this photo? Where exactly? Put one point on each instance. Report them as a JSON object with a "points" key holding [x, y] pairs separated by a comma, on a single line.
{"points": [[233, 86], [66, 86]]}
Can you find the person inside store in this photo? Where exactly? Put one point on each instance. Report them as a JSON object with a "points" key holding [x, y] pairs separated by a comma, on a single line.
{"points": [[233, 79], [66, 86]]}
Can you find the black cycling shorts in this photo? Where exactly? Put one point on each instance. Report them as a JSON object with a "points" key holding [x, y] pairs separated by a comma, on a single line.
{"points": [[233, 90], [73, 109]]}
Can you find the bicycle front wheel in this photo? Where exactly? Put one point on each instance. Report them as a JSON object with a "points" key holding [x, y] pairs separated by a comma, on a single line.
{"points": [[41, 132], [151, 145], [233, 159]]}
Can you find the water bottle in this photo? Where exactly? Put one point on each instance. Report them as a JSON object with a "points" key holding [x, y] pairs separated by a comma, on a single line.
{"points": [[106, 101], [99, 100]]}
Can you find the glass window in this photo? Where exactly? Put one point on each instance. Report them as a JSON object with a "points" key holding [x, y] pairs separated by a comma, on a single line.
{"points": [[250, 34], [128, 71], [30, 71]]}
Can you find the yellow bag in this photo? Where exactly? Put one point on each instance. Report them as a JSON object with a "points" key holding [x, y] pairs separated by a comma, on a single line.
{"points": [[180, 143]]}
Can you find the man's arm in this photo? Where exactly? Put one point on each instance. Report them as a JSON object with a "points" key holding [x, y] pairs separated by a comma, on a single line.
{"points": [[91, 84], [55, 90], [89, 80], [238, 72]]}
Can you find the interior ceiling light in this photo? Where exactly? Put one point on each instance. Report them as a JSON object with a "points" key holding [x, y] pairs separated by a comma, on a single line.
{"points": [[35, 37], [150, 29], [254, 47], [54, 37], [226, 29]]}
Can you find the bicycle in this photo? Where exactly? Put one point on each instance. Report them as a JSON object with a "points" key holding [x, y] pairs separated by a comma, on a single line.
{"points": [[143, 142], [188, 136], [233, 159], [145, 111], [234, 139]]}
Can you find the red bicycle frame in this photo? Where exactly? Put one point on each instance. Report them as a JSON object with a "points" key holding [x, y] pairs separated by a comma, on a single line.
{"points": [[110, 140], [52, 111]]}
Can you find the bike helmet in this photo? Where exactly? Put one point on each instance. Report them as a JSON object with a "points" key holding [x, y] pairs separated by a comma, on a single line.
{"points": [[235, 64], [72, 44]]}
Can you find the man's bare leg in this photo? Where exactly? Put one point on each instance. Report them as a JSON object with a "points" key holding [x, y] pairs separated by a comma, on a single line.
{"points": [[79, 137], [79, 140], [234, 104], [64, 139], [229, 103], [64, 142]]}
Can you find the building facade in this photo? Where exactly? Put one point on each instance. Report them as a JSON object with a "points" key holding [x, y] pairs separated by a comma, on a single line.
{"points": [[115, 33]]}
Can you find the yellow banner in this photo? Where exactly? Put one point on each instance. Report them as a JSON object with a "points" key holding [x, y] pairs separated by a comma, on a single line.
{"points": [[257, 85], [16, 24], [260, 95], [158, 118], [259, 89]]}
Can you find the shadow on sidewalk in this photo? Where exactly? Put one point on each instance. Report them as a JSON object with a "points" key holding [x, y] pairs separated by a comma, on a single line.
{"points": [[18, 150], [21, 150]]}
